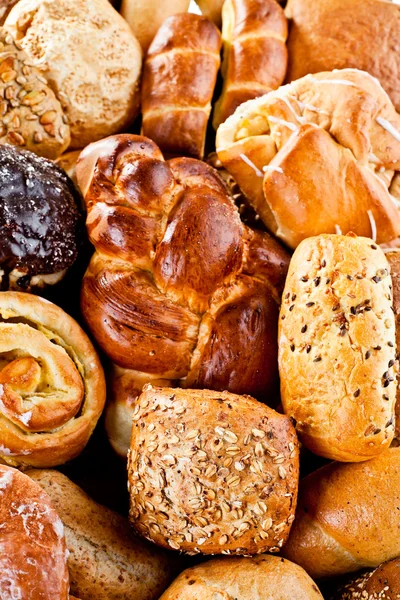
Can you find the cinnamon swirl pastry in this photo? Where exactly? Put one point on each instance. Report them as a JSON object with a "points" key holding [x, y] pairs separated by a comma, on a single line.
{"points": [[52, 388]]}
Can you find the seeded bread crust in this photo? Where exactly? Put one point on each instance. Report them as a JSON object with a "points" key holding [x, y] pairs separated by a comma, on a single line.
{"points": [[211, 472], [347, 517], [382, 583], [258, 578], [337, 354]]}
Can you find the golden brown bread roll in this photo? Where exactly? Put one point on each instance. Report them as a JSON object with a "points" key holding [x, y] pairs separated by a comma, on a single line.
{"points": [[337, 354], [176, 302], [90, 58], [52, 388], [211, 472], [347, 517], [346, 122], [254, 33], [33, 553], [338, 34], [145, 17], [258, 578], [31, 115], [393, 258], [106, 562], [382, 583], [179, 75], [211, 9]]}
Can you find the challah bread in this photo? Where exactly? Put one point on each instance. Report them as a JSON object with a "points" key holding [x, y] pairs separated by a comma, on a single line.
{"points": [[337, 353], [33, 553], [347, 517], [211, 472], [345, 33], [382, 583], [145, 18], [179, 302], [52, 388], [90, 58], [347, 123], [258, 578], [254, 33], [106, 562], [179, 75]]}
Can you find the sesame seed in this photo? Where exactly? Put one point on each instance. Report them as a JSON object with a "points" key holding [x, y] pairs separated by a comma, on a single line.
{"points": [[317, 359], [304, 279], [308, 348], [310, 304], [304, 329], [357, 393], [317, 281], [291, 307]]}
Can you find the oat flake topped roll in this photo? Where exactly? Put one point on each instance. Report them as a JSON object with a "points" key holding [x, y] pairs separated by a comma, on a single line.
{"points": [[337, 352]]}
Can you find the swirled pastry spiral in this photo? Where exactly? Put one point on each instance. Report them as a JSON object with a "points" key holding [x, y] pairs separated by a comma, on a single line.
{"points": [[52, 388]]}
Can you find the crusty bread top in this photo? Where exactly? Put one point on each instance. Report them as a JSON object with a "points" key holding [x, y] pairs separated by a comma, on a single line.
{"points": [[383, 583], [337, 347], [33, 553], [258, 578]]}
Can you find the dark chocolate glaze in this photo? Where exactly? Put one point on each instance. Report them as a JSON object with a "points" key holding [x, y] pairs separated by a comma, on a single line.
{"points": [[40, 223]]}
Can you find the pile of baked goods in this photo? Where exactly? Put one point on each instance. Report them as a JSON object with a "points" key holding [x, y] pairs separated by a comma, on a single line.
{"points": [[199, 300]]}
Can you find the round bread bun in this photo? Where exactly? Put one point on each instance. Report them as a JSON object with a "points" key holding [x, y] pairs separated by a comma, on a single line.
{"points": [[211, 472], [262, 577], [33, 553], [382, 583], [90, 58]]}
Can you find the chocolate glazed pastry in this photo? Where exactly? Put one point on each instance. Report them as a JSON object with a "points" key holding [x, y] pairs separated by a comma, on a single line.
{"points": [[40, 223]]}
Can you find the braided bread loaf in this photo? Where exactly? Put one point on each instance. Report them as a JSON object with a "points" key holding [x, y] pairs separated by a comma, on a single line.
{"points": [[254, 33], [179, 291]]}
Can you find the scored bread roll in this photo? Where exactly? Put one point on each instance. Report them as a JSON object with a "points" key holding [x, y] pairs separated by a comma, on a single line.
{"points": [[382, 583], [347, 517], [179, 304], [106, 562], [90, 58], [337, 354], [345, 33], [346, 122], [254, 33], [52, 388], [211, 472], [258, 578], [146, 17], [179, 75], [33, 553]]}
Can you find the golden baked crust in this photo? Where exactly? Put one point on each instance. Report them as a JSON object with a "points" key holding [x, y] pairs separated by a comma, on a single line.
{"points": [[52, 388], [347, 517], [31, 115], [165, 294], [338, 34], [211, 472], [337, 355], [346, 122], [382, 583], [145, 18], [33, 556], [254, 33], [106, 561], [211, 9], [91, 60], [258, 578], [179, 75], [393, 258]]}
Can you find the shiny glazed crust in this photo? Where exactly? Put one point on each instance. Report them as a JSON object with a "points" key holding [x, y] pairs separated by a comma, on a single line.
{"points": [[179, 75], [33, 557], [347, 517], [52, 383], [211, 472], [254, 33], [166, 295], [346, 122]]}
